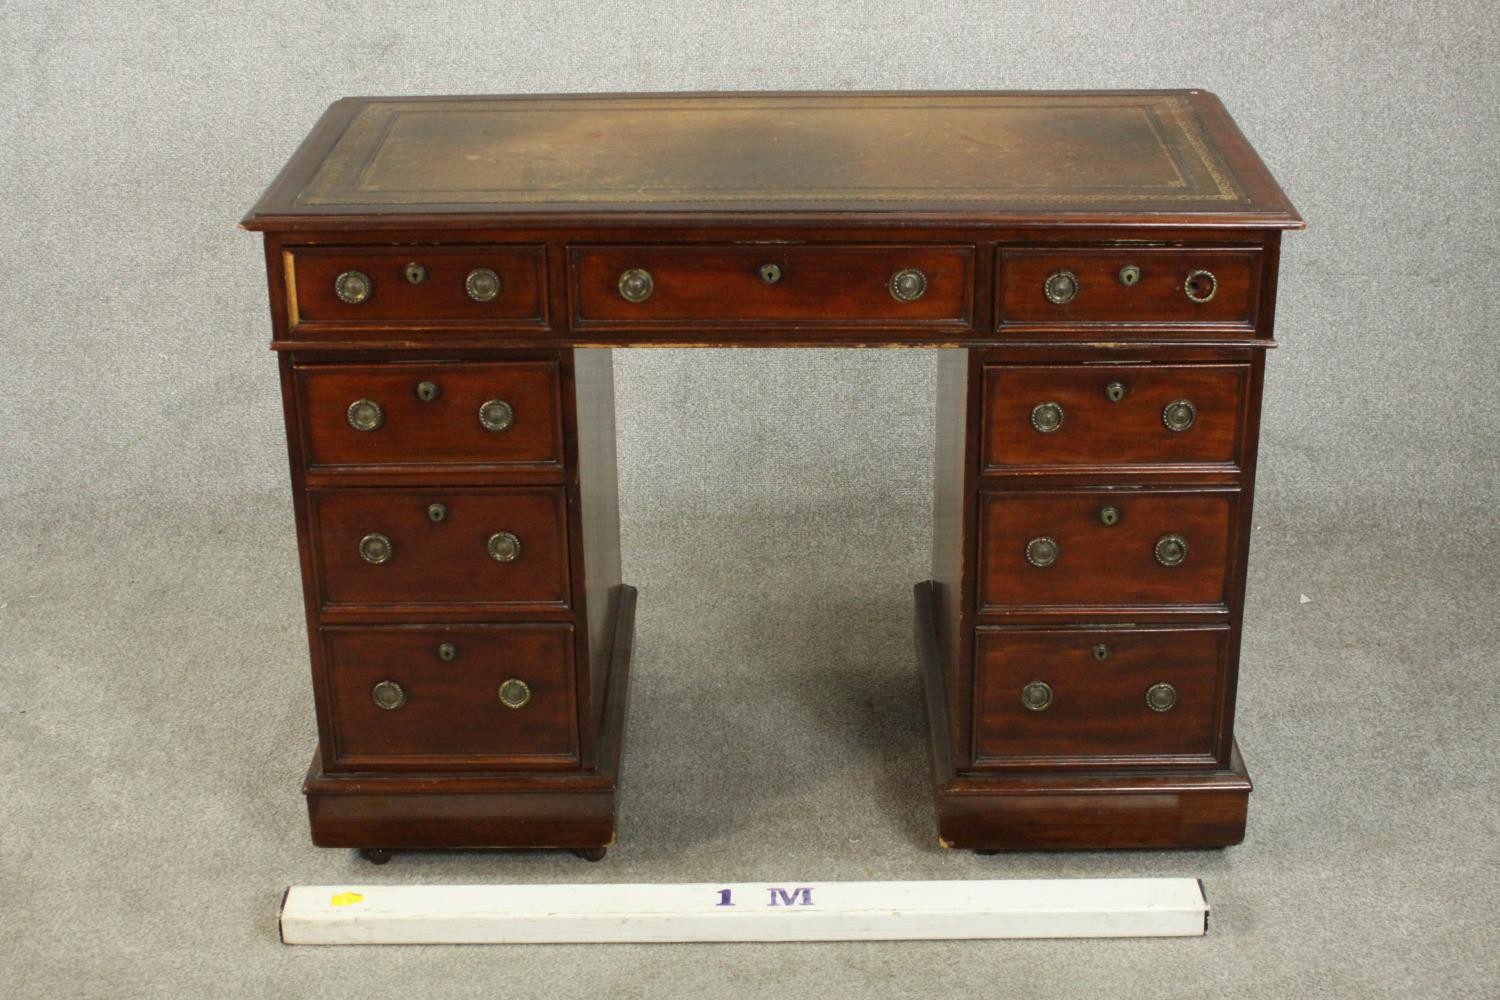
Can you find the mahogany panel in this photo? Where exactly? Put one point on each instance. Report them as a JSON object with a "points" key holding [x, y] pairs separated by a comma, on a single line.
{"points": [[1157, 298], [439, 300], [447, 562], [1099, 564], [452, 715], [1098, 714], [445, 429], [1105, 435], [814, 284]]}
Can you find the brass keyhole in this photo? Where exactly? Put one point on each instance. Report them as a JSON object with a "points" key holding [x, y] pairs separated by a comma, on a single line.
{"points": [[1114, 392], [416, 273], [1109, 516], [770, 273], [1129, 275]]}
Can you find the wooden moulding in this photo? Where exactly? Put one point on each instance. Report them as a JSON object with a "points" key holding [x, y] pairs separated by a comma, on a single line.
{"points": [[498, 810], [1084, 810]]}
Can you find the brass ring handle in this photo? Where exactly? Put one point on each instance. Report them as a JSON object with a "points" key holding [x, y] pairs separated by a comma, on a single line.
{"points": [[1047, 417], [1171, 550], [1179, 415], [365, 415], [503, 547], [1161, 697], [482, 284], [376, 549], [388, 695], [907, 285], [514, 692], [1201, 286], [1061, 287], [496, 415], [636, 285], [353, 287], [1042, 551], [1037, 696]]}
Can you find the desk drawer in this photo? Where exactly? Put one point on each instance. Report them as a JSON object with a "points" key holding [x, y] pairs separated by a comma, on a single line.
{"points": [[503, 548], [1061, 417], [502, 414], [1069, 286], [1099, 548], [473, 285], [1109, 692], [919, 285], [429, 696]]}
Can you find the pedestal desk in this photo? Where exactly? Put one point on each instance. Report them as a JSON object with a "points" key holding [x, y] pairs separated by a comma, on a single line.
{"points": [[448, 277]]}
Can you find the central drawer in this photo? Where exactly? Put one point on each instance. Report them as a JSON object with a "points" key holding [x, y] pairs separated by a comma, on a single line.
{"points": [[429, 696], [816, 285], [1105, 548], [500, 548]]}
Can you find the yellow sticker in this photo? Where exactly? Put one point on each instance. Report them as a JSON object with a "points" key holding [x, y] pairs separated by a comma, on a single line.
{"points": [[346, 898]]}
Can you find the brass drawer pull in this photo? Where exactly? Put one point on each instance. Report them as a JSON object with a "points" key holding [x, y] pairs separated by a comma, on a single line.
{"points": [[353, 287], [447, 652], [907, 285], [496, 415], [1061, 287], [482, 284], [1179, 415], [1161, 697], [388, 695], [1171, 550], [1047, 417], [365, 415], [514, 692], [1201, 286], [503, 547], [636, 285], [1037, 696], [1042, 552], [376, 549]]}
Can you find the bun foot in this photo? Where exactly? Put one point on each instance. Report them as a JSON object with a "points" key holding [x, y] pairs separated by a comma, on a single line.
{"points": [[590, 853], [375, 855]]}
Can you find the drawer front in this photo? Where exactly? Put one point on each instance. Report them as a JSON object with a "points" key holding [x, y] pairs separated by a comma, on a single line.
{"points": [[1170, 287], [393, 548], [505, 414], [478, 285], [817, 285], [1056, 417], [1108, 692], [432, 695], [1066, 549]]}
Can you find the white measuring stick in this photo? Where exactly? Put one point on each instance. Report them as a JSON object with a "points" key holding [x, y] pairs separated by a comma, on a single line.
{"points": [[747, 911]]}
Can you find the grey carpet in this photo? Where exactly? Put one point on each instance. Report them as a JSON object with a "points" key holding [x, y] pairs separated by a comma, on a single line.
{"points": [[156, 712]]}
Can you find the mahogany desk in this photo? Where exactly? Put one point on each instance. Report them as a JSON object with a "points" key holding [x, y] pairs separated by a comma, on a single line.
{"points": [[448, 277]]}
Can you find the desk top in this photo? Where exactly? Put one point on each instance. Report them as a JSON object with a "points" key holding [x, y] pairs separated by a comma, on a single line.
{"points": [[1137, 157]]}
